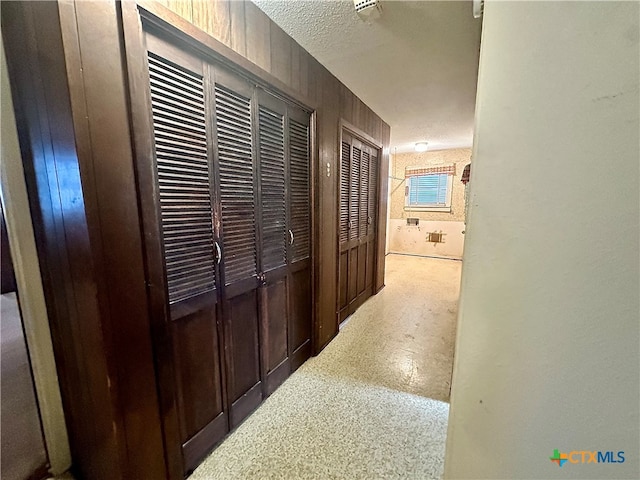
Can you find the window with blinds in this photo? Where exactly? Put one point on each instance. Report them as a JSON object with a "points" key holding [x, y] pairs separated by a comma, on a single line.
{"points": [[430, 190]]}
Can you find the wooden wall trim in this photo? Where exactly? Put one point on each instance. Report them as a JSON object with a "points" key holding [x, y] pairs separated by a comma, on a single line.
{"points": [[37, 71], [358, 132], [28, 278]]}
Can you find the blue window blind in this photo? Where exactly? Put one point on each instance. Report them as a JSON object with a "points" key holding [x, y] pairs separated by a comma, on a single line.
{"points": [[428, 190]]}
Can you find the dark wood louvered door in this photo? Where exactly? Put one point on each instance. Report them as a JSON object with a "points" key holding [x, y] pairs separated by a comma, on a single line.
{"points": [[239, 213], [185, 200], [299, 253], [231, 170], [357, 220], [272, 168], [283, 166]]}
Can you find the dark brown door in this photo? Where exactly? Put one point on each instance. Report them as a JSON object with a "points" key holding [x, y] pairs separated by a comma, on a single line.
{"points": [[185, 197], [232, 198], [299, 252], [235, 151], [272, 169], [285, 238], [357, 238]]}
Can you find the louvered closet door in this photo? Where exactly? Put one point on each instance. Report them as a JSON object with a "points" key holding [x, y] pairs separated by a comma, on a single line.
{"points": [[182, 164], [343, 231], [299, 253], [272, 171], [235, 153], [358, 200], [372, 199]]}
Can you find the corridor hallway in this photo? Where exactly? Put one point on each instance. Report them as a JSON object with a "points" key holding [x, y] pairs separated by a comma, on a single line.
{"points": [[372, 404]]}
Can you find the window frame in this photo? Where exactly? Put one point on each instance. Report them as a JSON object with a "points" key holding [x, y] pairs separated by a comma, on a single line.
{"points": [[434, 207]]}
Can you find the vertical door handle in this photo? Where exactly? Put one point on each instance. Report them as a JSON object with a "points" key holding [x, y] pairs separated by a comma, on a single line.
{"points": [[290, 237], [350, 224], [218, 253], [369, 220]]}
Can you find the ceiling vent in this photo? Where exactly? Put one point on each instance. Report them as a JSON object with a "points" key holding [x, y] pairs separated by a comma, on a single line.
{"points": [[368, 8]]}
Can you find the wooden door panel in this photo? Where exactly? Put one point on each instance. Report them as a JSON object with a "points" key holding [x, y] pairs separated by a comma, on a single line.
{"points": [[299, 186], [371, 256], [234, 160], [356, 228], [343, 275], [184, 199], [198, 372], [362, 268], [236, 182], [352, 277], [300, 316], [243, 362], [275, 353], [345, 175]]}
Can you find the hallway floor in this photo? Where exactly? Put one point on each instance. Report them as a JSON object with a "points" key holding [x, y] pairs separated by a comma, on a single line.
{"points": [[372, 404]]}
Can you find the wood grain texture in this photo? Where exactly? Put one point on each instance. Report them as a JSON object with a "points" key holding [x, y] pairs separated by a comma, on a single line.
{"points": [[184, 8], [280, 54], [214, 17], [32, 32], [238, 26], [258, 36], [328, 191], [105, 161]]}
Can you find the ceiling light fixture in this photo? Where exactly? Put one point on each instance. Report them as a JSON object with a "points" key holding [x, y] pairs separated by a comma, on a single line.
{"points": [[421, 146]]}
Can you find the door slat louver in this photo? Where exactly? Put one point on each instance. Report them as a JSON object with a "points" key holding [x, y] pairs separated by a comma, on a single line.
{"points": [[354, 192], [299, 208], [233, 130], [345, 169], [364, 194], [179, 128], [272, 181], [373, 192]]}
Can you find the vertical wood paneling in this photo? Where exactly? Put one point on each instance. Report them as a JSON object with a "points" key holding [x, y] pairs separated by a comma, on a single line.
{"points": [[280, 54], [184, 8], [328, 238], [106, 166], [305, 60], [214, 17], [258, 36], [295, 66], [237, 27]]}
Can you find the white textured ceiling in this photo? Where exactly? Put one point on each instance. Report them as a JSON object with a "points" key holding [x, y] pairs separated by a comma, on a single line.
{"points": [[416, 65]]}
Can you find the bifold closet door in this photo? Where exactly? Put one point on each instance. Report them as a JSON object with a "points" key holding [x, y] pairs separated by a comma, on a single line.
{"points": [[283, 135], [184, 201], [357, 220], [235, 151], [273, 171], [299, 252], [231, 201]]}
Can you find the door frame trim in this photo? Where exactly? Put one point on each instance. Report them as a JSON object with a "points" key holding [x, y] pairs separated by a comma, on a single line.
{"points": [[33, 310]]}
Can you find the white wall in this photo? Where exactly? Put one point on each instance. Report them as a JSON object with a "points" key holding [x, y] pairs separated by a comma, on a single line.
{"points": [[412, 240], [548, 338]]}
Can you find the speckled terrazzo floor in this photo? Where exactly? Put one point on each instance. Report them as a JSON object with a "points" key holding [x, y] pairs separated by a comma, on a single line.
{"points": [[372, 404]]}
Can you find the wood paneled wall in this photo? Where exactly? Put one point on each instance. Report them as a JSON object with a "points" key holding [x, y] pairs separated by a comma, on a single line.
{"points": [[243, 27]]}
